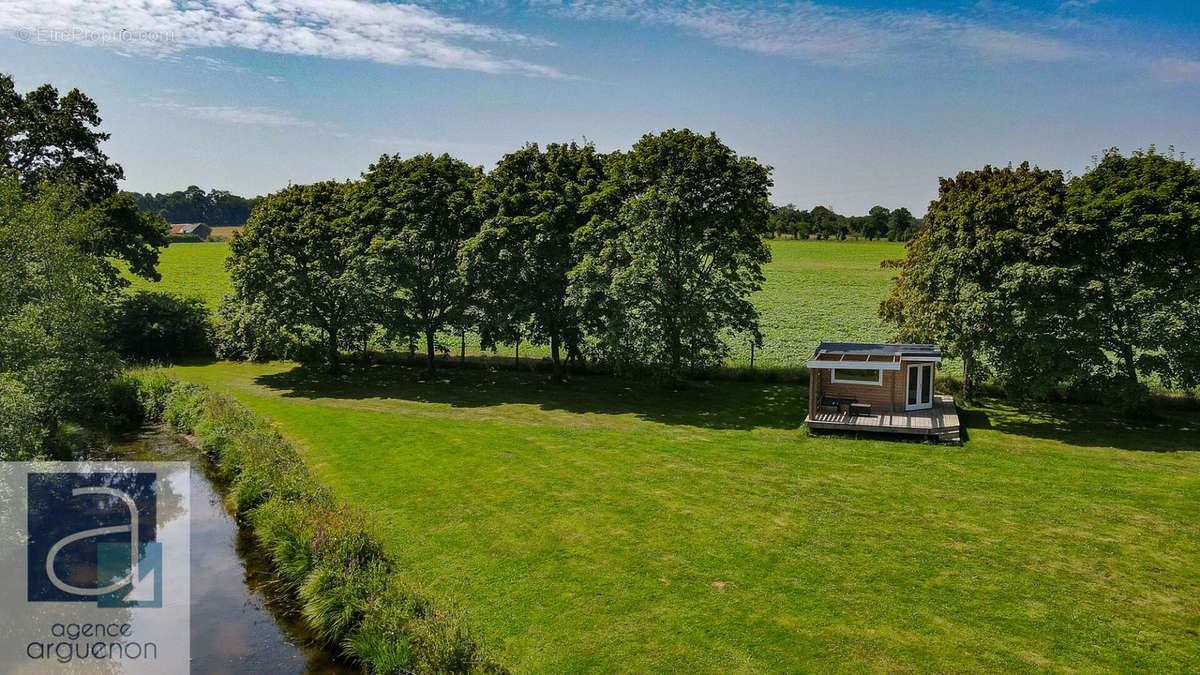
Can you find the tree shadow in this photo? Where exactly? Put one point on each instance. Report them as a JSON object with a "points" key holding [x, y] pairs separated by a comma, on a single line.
{"points": [[1088, 425], [740, 405]]}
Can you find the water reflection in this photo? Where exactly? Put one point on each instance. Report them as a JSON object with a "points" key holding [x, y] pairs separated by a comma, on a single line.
{"points": [[238, 623]]}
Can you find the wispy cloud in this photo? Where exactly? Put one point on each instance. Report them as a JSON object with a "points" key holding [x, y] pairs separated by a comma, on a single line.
{"points": [[380, 32], [263, 116], [828, 34], [1176, 70]]}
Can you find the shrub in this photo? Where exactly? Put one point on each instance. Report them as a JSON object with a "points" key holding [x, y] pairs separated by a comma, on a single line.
{"points": [[21, 432], [184, 407], [122, 408], [153, 389], [155, 326]]}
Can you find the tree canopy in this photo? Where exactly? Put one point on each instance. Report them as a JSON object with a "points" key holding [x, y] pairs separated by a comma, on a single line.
{"points": [[419, 211], [300, 260], [684, 249], [533, 202], [48, 139]]}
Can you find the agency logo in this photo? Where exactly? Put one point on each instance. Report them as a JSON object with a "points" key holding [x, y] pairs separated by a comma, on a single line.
{"points": [[92, 539], [97, 556]]}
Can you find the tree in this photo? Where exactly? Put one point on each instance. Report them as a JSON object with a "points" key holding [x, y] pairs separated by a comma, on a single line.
{"points": [[419, 211], [1133, 229], [50, 139], [877, 222], [299, 259], [52, 307], [533, 203], [682, 250], [985, 279]]}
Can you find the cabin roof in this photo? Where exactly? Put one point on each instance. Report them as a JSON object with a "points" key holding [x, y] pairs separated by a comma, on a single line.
{"points": [[880, 349], [872, 355]]}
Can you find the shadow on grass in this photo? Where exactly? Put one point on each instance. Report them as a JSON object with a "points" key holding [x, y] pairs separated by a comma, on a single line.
{"points": [[1087, 425], [714, 405]]}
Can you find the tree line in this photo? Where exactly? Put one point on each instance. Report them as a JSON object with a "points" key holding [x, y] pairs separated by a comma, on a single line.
{"points": [[215, 208], [641, 260], [1091, 283], [823, 223]]}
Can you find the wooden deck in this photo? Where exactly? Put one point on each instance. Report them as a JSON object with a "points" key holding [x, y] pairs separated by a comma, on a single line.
{"points": [[940, 421]]}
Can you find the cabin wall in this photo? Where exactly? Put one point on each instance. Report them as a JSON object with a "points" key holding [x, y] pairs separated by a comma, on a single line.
{"points": [[888, 397]]}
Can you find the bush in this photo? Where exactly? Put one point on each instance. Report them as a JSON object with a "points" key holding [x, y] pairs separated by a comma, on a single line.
{"points": [[21, 432], [123, 408], [154, 326], [185, 405]]}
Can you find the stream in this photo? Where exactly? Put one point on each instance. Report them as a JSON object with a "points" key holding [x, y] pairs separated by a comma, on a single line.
{"points": [[238, 623]]}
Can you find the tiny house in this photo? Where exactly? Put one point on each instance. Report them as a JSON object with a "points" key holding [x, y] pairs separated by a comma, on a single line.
{"points": [[886, 388]]}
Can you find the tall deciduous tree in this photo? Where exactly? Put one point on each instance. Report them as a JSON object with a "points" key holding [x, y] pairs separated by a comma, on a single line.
{"points": [[533, 202], [420, 211], [299, 258], [50, 139], [1133, 229], [986, 278], [685, 251]]}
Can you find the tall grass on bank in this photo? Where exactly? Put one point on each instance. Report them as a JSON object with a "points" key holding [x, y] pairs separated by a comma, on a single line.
{"points": [[325, 554]]}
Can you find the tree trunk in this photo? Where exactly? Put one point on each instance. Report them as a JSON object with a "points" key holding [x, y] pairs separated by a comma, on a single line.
{"points": [[429, 346], [558, 376], [334, 355], [517, 359], [462, 348], [1127, 358], [966, 378]]}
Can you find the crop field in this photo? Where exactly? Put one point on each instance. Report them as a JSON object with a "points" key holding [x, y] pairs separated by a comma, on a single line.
{"points": [[610, 526], [815, 290]]}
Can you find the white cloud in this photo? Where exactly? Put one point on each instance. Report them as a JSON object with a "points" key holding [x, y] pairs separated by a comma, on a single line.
{"points": [[380, 32], [827, 34], [1176, 71], [232, 114]]}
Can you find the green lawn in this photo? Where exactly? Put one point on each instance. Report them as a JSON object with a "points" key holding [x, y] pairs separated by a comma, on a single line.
{"points": [[611, 526], [815, 290], [195, 269]]}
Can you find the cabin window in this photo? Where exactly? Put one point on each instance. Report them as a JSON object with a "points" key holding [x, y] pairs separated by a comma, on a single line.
{"points": [[857, 376]]}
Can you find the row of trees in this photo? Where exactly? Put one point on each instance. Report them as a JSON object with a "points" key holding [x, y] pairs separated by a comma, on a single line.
{"points": [[1042, 282], [644, 258], [823, 223], [215, 208]]}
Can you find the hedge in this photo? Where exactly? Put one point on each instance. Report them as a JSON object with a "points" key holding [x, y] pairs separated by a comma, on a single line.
{"points": [[326, 555]]}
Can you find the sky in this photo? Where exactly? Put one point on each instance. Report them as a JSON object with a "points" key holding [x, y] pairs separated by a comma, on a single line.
{"points": [[854, 103]]}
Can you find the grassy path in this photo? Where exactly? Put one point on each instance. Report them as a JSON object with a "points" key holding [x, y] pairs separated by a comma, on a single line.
{"points": [[612, 526]]}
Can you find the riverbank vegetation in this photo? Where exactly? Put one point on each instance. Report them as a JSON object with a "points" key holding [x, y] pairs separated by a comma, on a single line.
{"points": [[326, 555]]}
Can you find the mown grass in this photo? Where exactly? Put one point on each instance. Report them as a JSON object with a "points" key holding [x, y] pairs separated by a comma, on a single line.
{"points": [[609, 525], [815, 290], [191, 269]]}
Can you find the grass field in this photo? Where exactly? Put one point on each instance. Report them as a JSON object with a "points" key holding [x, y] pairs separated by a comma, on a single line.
{"points": [[195, 269], [815, 290], [610, 526]]}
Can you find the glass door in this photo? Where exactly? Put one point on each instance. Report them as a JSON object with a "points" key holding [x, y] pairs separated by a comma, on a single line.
{"points": [[919, 387]]}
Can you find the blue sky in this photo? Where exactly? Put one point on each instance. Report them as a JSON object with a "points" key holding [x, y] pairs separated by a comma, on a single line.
{"points": [[854, 103]]}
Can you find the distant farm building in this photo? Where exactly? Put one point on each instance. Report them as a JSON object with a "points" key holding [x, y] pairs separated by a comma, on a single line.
{"points": [[885, 388], [197, 230]]}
